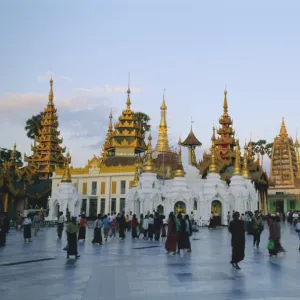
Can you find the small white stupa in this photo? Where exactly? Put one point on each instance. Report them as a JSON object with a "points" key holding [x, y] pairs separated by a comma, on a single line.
{"points": [[66, 197]]}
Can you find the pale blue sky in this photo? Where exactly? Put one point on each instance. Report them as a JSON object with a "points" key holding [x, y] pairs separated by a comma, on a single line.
{"points": [[190, 48]]}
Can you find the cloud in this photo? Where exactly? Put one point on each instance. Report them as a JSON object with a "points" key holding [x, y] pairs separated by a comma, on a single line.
{"points": [[96, 146], [107, 90], [48, 75]]}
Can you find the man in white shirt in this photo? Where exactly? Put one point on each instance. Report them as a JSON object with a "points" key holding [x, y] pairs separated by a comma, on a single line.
{"points": [[130, 220]]}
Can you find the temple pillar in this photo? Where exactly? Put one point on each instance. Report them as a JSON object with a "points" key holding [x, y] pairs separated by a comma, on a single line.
{"points": [[99, 206]]}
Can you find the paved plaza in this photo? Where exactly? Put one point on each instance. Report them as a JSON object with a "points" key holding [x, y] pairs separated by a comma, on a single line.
{"points": [[141, 269]]}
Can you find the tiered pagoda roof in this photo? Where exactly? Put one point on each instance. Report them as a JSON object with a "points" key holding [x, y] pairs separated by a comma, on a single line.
{"points": [[225, 142], [162, 144], [284, 160], [128, 136], [191, 140], [48, 153]]}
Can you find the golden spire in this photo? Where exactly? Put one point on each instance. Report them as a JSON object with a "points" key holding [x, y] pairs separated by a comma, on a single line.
{"points": [[250, 150], [212, 167], [283, 132], [13, 155], [67, 174], [179, 171], [245, 163], [225, 105], [135, 182], [128, 102], [148, 166], [237, 168], [110, 126], [51, 91], [162, 140]]}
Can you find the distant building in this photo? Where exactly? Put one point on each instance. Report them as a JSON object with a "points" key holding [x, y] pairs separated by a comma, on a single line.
{"points": [[284, 190]]}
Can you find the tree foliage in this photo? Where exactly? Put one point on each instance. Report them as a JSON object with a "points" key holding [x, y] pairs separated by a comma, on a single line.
{"points": [[144, 119], [33, 125], [5, 155], [262, 147]]}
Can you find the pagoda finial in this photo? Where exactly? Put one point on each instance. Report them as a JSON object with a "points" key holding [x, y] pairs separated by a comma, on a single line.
{"points": [[110, 126], [128, 102], [162, 140], [212, 167], [179, 170], [51, 90], [148, 166], [237, 168], [245, 163], [192, 122], [13, 155], [136, 176], [225, 105], [67, 174], [283, 132]]}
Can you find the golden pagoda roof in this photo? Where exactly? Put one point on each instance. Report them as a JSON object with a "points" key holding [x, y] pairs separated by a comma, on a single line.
{"points": [[48, 153], [191, 140], [148, 166], [67, 175], [162, 144], [128, 132], [283, 132], [179, 170]]}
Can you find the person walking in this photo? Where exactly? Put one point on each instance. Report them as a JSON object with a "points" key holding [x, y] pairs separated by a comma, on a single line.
{"points": [[60, 224], [181, 233], [2, 232], [228, 218], [274, 235], [134, 226], [157, 226], [171, 241], [189, 232], [122, 227], [113, 224], [236, 228], [106, 227], [141, 228], [19, 222], [150, 227], [27, 228], [146, 227], [97, 230], [82, 228], [297, 229], [71, 230], [36, 223], [257, 228]]}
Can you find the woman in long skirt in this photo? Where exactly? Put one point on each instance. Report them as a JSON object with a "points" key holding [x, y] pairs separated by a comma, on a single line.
{"points": [[134, 225], [82, 228], [27, 229], [181, 232], [72, 240], [171, 242], [122, 226], [97, 231], [188, 233], [236, 228]]}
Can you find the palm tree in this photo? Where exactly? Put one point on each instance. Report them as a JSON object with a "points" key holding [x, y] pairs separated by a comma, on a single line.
{"points": [[261, 147], [143, 119], [33, 125]]}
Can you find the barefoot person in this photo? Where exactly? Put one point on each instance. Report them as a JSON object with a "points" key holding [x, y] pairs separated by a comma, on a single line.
{"points": [[171, 242], [236, 228]]}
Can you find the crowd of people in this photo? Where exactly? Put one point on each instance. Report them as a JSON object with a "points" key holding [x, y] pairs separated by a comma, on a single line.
{"points": [[175, 230]]}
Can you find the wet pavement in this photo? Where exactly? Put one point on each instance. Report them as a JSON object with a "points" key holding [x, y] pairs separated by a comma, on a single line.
{"points": [[141, 269]]}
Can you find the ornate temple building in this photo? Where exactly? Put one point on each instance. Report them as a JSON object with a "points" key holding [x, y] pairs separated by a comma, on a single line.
{"points": [[105, 180], [225, 158], [284, 191], [48, 153], [190, 193]]}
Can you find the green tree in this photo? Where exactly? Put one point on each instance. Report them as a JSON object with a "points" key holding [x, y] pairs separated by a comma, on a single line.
{"points": [[144, 119], [5, 155], [33, 125], [261, 147]]}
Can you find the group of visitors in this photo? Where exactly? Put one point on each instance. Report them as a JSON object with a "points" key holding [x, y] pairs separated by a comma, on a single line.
{"points": [[178, 235]]}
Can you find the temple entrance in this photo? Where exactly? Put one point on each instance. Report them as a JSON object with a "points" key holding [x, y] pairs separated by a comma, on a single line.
{"points": [[160, 209], [179, 207], [216, 209]]}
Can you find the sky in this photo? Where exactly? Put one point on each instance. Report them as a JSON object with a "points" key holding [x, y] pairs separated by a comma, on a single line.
{"points": [[192, 49]]}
